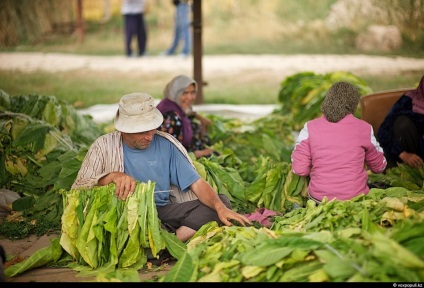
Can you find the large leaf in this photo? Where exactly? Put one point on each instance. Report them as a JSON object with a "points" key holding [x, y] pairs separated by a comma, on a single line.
{"points": [[41, 257]]}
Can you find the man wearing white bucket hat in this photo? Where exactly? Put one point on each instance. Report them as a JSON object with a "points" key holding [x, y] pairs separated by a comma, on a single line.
{"points": [[137, 151]]}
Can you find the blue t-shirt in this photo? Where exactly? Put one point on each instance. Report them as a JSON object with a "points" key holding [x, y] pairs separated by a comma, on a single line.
{"points": [[162, 163]]}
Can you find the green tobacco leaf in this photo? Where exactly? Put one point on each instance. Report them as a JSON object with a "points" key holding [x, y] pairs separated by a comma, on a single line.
{"points": [[265, 255], [85, 236], [142, 216], [133, 250], [39, 258], [300, 272], [183, 271], [234, 185], [336, 265], [155, 239], [389, 250], [174, 245], [34, 133], [254, 191], [51, 112], [4, 101], [23, 203]]}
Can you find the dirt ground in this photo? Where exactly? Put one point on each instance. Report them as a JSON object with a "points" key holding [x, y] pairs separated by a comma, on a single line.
{"points": [[24, 248], [280, 66]]}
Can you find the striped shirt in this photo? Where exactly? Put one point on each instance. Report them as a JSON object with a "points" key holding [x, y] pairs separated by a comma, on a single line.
{"points": [[106, 155]]}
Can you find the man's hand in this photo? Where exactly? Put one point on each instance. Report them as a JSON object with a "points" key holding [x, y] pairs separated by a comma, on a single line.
{"points": [[411, 159], [226, 215], [125, 184], [209, 197]]}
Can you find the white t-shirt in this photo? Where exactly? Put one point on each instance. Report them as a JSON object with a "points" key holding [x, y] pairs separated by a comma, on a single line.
{"points": [[132, 6]]}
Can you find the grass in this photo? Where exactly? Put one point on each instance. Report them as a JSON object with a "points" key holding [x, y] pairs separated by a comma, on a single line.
{"points": [[87, 88], [229, 27]]}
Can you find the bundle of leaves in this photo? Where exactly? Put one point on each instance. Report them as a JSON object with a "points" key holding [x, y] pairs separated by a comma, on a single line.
{"points": [[101, 234], [36, 155], [377, 237], [400, 176], [247, 254], [378, 209], [269, 135], [42, 145], [263, 184], [81, 129], [301, 94]]}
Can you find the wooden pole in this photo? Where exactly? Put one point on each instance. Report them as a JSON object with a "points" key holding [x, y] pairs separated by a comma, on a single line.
{"points": [[80, 25], [198, 49]]}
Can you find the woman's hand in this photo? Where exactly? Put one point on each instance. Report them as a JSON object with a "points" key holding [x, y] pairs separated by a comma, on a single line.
{"points": [[411, 159], [203, 153]]}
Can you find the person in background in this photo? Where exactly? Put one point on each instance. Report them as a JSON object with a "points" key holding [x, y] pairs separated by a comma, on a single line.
{"points": [[138, 151], [133, 12], [189, 127], [181, 28], [333, 148], [402, 132]]}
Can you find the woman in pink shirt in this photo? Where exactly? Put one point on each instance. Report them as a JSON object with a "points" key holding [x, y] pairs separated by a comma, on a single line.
{"points": [[336, 149]]}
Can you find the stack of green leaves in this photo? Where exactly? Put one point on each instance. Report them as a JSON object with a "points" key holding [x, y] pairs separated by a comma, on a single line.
{"points": [[400, 176], [266, 184], [42, 143], [102, 234], [373, 237], [270, 135], [379, 209], [80, 128], [105, 233], [301, 94]]}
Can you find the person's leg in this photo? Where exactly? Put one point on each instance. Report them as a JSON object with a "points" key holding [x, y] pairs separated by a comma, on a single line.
{"points": [[192, 214], [184, 233], [131, 27], [141, 34], [202, 214], [173, 214], [127, 34], [174, 45], [177, 32], [406, 133], [185, 29]]}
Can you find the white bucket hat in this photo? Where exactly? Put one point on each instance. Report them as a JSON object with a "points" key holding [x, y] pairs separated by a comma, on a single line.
{"points": [[137, 113]]}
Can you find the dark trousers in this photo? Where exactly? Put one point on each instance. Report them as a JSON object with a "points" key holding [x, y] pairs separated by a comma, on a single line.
{"points": [[135, 27], [409, 136], [192, 214]]}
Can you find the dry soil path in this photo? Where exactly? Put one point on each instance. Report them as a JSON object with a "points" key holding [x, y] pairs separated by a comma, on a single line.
{"points": [[283, 65]]}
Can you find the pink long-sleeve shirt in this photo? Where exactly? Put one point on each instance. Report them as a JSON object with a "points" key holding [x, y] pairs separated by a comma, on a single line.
{"points": [[336, 156]]}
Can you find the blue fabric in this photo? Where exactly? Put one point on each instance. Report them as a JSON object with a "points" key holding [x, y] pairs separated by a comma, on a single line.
{"points": [[181, 29], [162, 163]]}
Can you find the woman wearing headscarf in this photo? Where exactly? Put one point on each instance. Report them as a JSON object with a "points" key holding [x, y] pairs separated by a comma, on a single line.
{"points": [[336, 149], [402, 132], [180, 120]]}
